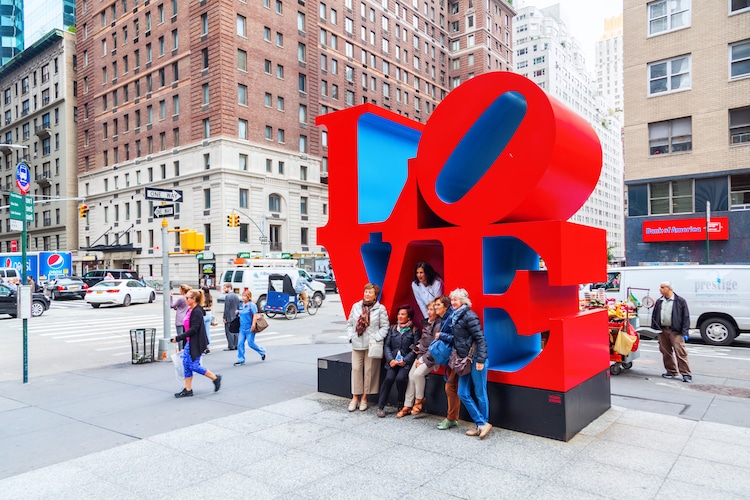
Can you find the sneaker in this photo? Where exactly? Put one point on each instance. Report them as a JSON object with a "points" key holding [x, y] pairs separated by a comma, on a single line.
{"points": [[207, 351], [217, 383], [667, 375], [184, 394], [474, 431], [380, 413], [447, 424], [263, 358], [239, 363], [687, 378]]}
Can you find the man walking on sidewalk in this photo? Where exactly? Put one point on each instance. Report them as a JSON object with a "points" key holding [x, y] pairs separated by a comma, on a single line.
{"points": [[231, 306], [672, 317]]}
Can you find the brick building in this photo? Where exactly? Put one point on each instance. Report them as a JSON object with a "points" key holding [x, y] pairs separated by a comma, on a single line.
{"points": [[687, 130], [218, 98]]}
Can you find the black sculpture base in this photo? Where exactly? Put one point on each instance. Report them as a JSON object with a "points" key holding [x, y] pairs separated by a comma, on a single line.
{"points": [[550, 414]]}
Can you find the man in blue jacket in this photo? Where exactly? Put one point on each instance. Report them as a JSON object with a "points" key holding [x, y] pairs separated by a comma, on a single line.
{"points": [[672, 317]]}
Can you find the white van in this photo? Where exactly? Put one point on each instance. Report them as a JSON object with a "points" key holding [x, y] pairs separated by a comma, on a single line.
{"points": [[718, 296], [253, 276], [9, 273]]}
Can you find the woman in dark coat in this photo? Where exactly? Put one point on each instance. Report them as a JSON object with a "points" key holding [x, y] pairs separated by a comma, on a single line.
{"points": [[398, 351], [467, 331], [196, 343]]}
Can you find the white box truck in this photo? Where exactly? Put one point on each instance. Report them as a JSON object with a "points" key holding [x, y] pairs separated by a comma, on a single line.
{"points": [[253, 276], [718, 296]]}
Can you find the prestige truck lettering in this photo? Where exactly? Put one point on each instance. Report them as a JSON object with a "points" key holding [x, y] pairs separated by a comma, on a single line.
{"points": [[717, 285]]}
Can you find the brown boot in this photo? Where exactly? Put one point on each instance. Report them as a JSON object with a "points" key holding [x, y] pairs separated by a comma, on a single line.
{"points": [[406, 410]]}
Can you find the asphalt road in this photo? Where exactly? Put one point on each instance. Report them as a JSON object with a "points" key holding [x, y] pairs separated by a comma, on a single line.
{"points": [[72, 335]]}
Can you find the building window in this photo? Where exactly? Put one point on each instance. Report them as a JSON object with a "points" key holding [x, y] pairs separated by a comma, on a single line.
{"points": [[668, 15], [243, 162], [206, 128], [244, 233], [207, 199], [244, 196], [269, 132], [302, 113], [206, 161], [242, 94], [303, 173], [242, 129], [274, 203], [303, 144], [303, 205], [281, 167], [242, 26], [303, 239], [739, 5], [670, 136], [242, 61], [669, 76], [269, 164], [739, 59], [739, 125], [672, 197], [740, 192]]}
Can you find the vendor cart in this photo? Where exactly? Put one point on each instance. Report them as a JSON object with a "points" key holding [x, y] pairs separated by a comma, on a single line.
{"points": [[621, 360]]}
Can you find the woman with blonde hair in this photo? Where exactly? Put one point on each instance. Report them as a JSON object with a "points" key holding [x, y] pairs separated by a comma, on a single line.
{"points": [[368, 321], [468, 337], [196, 341]]}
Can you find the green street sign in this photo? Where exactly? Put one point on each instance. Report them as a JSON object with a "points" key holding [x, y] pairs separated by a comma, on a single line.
{"points": [[244, 255], [16, 207], [29, 209]]}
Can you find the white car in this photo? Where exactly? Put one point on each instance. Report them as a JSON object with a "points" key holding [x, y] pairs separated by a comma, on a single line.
{"points": [[123, 292]]}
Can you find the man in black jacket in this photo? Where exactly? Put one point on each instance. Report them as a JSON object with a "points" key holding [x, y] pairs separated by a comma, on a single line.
{"points": [[672, 317]]}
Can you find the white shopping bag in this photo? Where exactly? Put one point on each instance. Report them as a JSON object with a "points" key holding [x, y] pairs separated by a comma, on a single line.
{"points": [[178, 367]]}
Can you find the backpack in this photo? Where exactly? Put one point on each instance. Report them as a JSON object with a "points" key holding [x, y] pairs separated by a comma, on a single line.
{"points": [[440, 351]]}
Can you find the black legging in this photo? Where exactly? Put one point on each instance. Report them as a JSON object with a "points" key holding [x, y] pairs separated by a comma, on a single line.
{"points": [[398, 374]]}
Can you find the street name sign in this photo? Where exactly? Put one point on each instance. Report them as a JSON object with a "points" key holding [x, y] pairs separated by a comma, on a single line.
{"points": [[164, 211], [157, 194], [16, 207]]}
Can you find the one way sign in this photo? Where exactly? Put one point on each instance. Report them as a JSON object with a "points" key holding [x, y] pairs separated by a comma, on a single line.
{"points": [[164, 211], [156, 194]]}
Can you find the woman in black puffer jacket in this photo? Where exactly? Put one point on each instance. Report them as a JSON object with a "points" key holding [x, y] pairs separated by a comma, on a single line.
{"points": [[467, 331], [398, 351]]}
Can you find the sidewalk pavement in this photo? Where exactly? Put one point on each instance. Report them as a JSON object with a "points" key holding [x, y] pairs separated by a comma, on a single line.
{"points": [[118, 432]]}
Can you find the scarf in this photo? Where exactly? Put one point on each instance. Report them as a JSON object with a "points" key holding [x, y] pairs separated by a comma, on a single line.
{"points": [[458, 313], [363, 322], [404, 327]]}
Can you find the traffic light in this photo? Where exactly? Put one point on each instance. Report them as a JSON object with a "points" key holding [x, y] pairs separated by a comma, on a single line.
{"points": [[236, 220], [82, 210], [230, 220], [192, 241]]}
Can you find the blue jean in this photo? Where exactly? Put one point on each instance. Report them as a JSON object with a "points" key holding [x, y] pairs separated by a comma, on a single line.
{"points": [[207, 322], [250, 338], [479, 411]]}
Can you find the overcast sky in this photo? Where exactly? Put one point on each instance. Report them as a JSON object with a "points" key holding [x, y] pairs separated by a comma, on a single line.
{"points": [[584, 18]]}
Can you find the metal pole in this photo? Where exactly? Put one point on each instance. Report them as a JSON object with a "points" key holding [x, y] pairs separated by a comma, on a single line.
{"points": [[23, 282], [708, 222], [166, 289], [264, 243]]}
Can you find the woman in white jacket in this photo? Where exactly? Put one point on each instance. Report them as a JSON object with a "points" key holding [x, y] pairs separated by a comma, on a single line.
{"points": [[368, 322]]}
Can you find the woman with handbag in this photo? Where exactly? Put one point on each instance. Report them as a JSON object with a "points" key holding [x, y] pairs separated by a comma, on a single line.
{"points": [[247, 313], [423, 364], [194, 335], [399, 356], [443, 309], [469, 340], [366, 328]]}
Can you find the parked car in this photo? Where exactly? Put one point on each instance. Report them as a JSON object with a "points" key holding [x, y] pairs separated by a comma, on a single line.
{"points": [[327, 280], [71, 286], [9, 302], [122, 292], [91, 278]]}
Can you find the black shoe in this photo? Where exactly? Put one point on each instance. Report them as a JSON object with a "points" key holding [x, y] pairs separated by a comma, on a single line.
{"points": [[207, 351], [380, 412], [217, 383], [239, 364], [184, 394], [227, 349], [668, 375], [687, 378], [263, 358]]}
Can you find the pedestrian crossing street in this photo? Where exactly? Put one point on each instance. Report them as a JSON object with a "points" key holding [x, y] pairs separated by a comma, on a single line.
{"points": [[113, 338]]}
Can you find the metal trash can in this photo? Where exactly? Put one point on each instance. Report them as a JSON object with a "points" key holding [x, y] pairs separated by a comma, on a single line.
{"points": [[142, 345]]}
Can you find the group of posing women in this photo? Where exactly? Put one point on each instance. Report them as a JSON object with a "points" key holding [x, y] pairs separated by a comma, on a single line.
{"points": [[406, 355]]}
